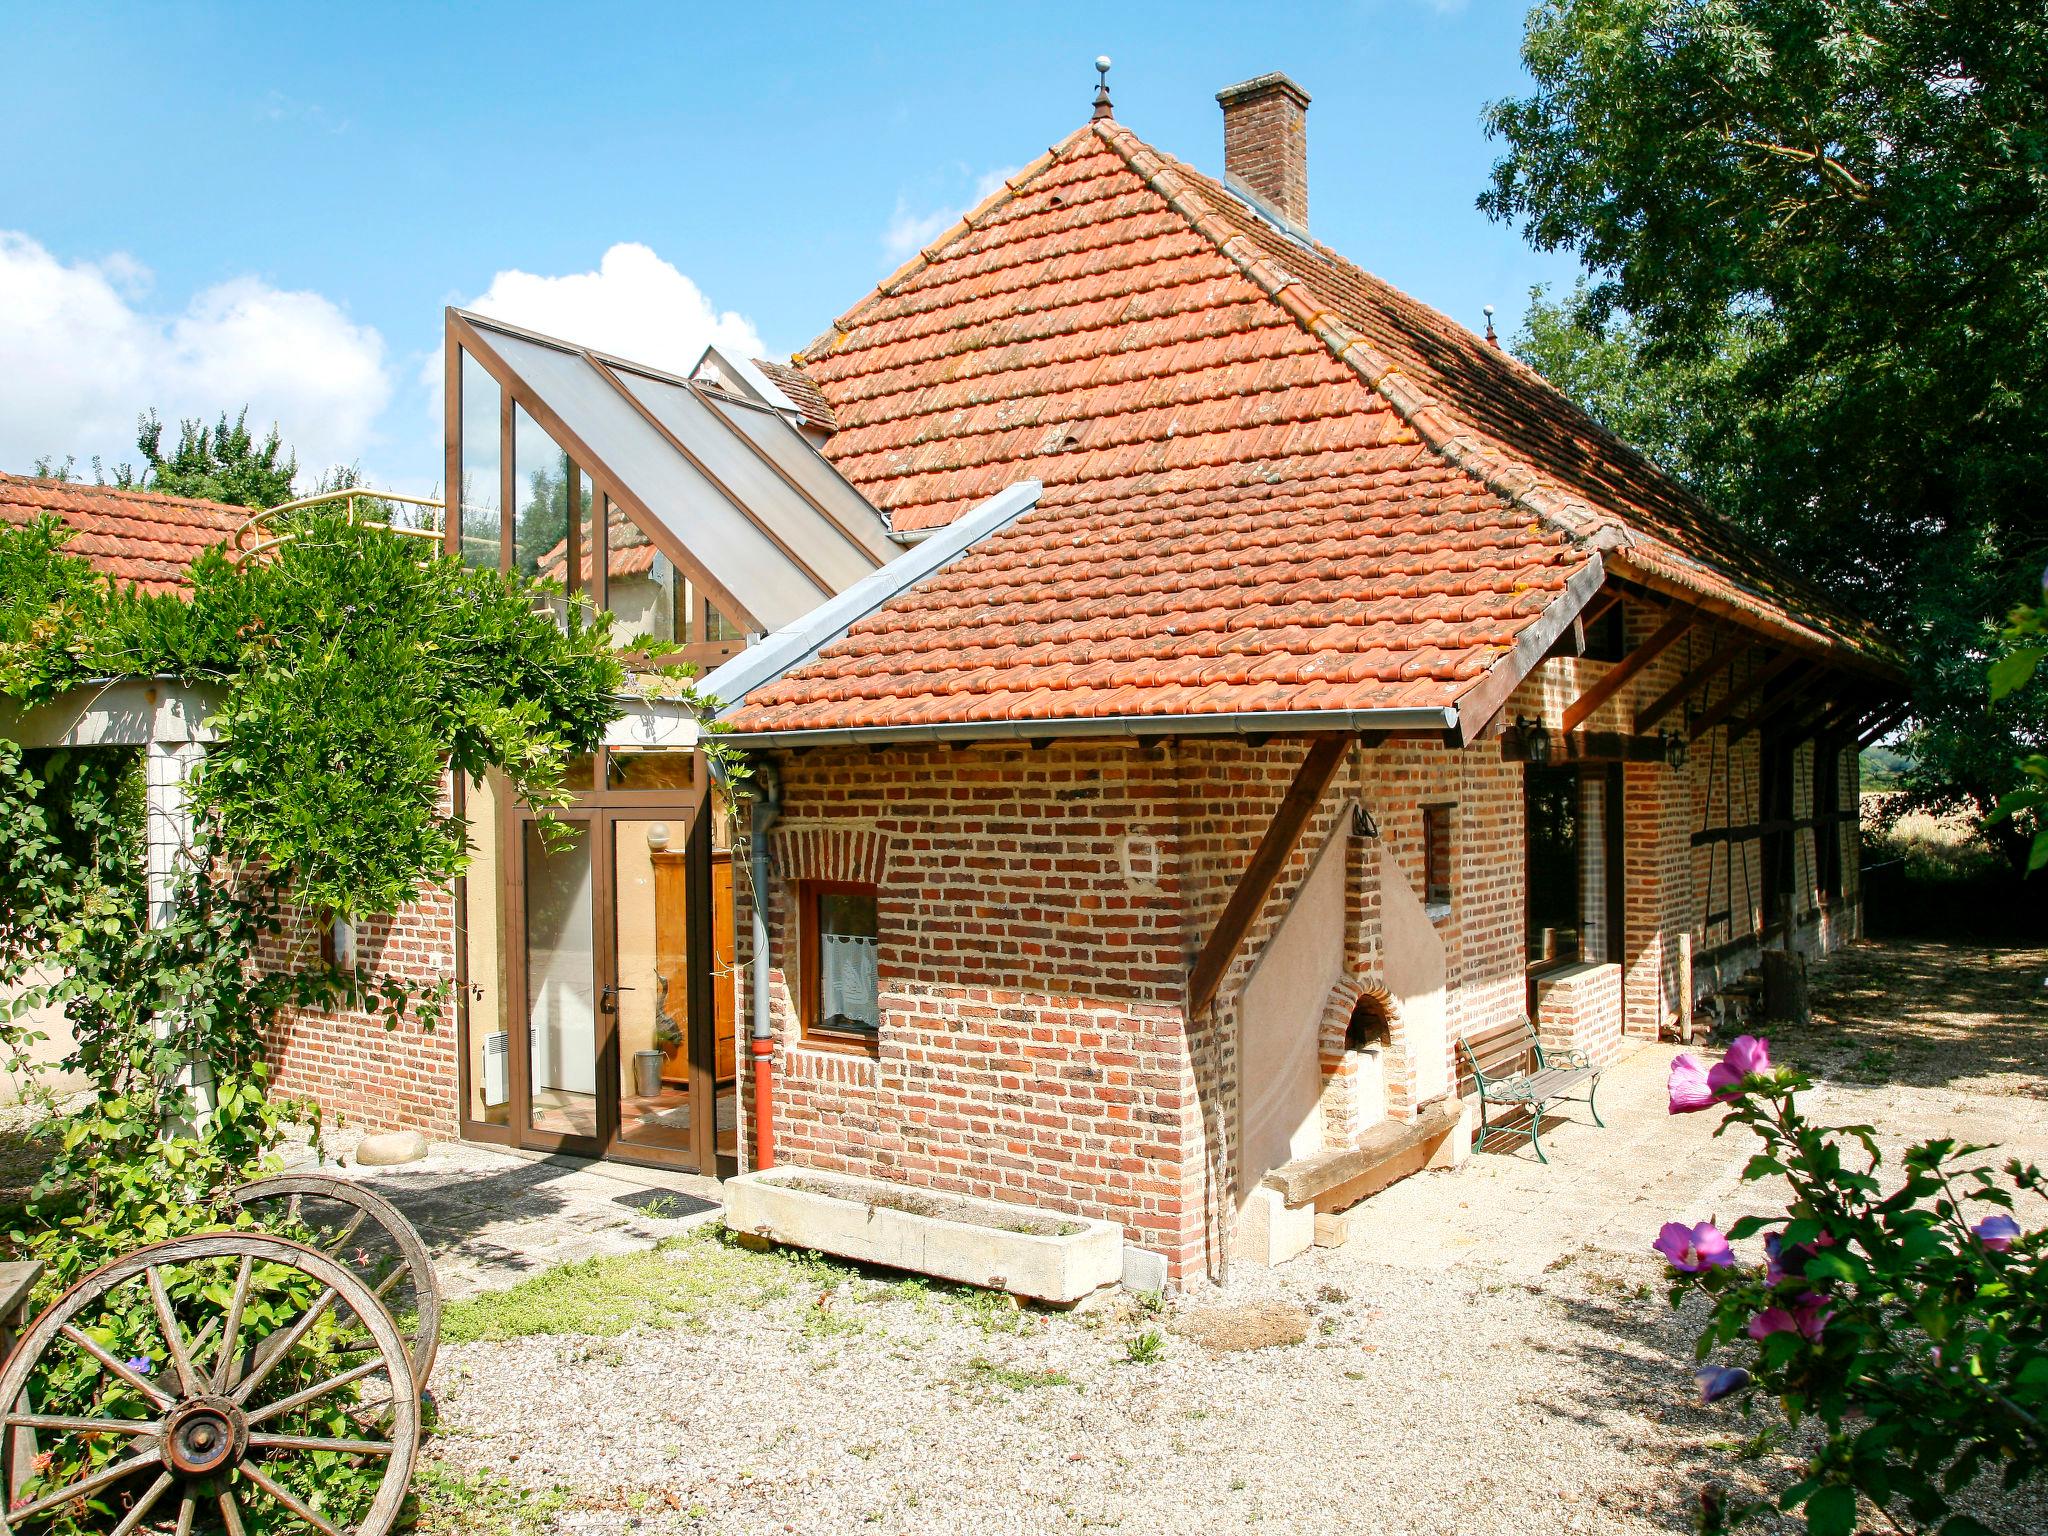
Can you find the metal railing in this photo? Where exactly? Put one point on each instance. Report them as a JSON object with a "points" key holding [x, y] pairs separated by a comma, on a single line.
{"points": [[265, 531]]}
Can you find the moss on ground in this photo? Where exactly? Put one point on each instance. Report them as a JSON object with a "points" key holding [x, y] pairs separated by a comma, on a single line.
{"points": [[446, 1502], [679, 1283]]}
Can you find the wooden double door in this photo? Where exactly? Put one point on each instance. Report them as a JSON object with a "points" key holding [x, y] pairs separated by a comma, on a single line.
{"points": [[623, 990]]}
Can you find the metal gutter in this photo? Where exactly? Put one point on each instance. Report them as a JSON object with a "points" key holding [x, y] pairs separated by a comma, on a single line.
{"points": [[1275, 722], [794, 644]]}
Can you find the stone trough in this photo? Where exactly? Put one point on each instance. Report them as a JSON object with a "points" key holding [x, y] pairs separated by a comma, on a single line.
{"points": [[1029, 1253]]}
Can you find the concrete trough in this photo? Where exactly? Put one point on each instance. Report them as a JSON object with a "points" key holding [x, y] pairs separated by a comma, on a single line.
{"points": [[1040, 1255]]}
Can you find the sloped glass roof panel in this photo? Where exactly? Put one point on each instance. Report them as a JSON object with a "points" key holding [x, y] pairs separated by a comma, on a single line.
{"points": [[795, 455], [756, 479], [732, 542]]}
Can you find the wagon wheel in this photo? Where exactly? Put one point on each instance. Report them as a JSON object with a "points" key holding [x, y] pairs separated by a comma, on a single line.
{"points": [[267, 1390], [367, 1235]]}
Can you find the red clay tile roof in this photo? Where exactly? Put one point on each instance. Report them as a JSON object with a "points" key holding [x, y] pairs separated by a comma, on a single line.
{"points": [[133, 536], [803, 393], [1272, 482]]}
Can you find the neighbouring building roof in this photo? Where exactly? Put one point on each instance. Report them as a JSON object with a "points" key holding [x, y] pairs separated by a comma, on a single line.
{"points": [[140, 537], [803, 393], [1272, 483]]}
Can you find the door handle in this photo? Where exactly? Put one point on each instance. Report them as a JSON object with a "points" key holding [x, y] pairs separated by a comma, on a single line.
{"points": [[607, 1000]]}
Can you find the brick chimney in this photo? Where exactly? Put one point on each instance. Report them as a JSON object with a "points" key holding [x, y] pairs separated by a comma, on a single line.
{"points": [[1265, 145]]}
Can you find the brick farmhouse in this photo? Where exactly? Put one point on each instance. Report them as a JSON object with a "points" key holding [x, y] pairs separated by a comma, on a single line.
{"points": [[1197, 699]]}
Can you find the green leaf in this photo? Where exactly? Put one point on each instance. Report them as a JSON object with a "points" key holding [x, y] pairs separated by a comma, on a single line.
{"points": [[1832, 1511], [2014, 670]]}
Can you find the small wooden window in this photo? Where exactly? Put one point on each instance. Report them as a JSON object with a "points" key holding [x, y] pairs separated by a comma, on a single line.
{"points": [[840, 932], [1436, 855], [337, 943]]}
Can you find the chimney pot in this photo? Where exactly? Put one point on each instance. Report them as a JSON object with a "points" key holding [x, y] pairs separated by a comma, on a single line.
{"points": [[1265, 145]]}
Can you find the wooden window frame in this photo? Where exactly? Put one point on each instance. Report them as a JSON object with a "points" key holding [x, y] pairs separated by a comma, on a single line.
{"points": [[1438, 887], [808, 933]]}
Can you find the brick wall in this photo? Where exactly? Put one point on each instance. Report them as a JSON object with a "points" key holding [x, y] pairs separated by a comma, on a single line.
{"points": [[375, 1078], [1039, 910], [1580, 1009]]}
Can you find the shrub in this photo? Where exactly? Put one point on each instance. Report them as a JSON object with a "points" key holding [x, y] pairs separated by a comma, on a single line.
{"points": [[1910, 1325]]}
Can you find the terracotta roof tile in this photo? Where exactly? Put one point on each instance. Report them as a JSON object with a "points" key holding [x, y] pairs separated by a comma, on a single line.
{"points": [[137, 537], [804, 394], [1271, 482]]}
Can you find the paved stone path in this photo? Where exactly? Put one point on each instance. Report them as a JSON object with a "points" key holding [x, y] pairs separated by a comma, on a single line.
{"points": [[491, 1215]]}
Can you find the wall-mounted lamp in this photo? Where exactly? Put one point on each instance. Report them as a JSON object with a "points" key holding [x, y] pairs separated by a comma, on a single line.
{"points": [[1362, 824], [1535, 740], [1674, 748]]}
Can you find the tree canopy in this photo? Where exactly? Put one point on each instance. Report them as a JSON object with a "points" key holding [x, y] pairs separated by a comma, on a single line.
{"points": [[1816, 233]]}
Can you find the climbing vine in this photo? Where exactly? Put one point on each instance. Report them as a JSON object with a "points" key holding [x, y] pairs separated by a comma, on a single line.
{"points": [[353, 675]]}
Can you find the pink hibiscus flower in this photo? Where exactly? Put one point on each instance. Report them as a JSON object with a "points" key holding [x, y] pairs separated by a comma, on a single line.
{"points": [[1692, 1249]]}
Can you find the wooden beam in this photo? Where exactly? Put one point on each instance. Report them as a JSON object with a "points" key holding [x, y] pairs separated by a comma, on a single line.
{"points": [[1723, 654], [1792, 693], [1741, 693], [1318, 768], [1586, 747], [1883, 723], [1618, 675]]}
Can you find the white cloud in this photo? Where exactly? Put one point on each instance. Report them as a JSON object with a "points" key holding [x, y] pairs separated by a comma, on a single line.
{"points": [[85, 357], [910, 231], [635, 306]]}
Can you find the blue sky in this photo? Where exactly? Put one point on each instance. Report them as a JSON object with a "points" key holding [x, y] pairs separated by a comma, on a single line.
{"points": [[206, 204]]}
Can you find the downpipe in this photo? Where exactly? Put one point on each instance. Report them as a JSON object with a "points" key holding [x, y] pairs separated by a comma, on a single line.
{"points": [[766, 807]]}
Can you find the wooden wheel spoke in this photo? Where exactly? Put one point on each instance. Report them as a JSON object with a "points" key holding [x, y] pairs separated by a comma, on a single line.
{"points": [[53, 1421], [231, 1515], [187, 1510], [174, 1338], [287, 1498], [383, 1287], [231, 1331], [296, 1332], [300, 1399], [347, 1231], [144, 1505], [113, 1472], [92, 1346], [322, 1443]]}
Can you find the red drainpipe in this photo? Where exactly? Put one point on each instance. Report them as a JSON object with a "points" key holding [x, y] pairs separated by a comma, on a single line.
{"points": [[764, 1103]]}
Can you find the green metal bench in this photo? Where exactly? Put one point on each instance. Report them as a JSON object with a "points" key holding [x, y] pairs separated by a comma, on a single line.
{"points": [[1504, 1078]]}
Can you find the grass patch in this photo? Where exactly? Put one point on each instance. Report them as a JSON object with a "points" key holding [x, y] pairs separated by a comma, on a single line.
{"points": [[1015, 1378], [678, 1283], [445, 1502], [1145, 1348]]}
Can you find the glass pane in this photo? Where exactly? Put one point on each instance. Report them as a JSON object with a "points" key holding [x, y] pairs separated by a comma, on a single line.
{"points": [[1551, 797], [543, 472], [561, 983], [655, 1038], [651, 770], [480, 489], [719, 630], [646, 596], [490, 1065], [847, 947]]}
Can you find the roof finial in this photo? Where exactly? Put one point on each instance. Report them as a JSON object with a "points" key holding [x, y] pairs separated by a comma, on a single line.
{"points": [[1102, 107], [1489, 325]]}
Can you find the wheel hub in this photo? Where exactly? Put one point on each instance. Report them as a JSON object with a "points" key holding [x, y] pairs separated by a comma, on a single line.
{"points": [[205, 1435]]}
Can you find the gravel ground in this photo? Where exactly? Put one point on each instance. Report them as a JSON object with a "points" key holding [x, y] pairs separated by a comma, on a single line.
{"points": [[1491, 1352]]}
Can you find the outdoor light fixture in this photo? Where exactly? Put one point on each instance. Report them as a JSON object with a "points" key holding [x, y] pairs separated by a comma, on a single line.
{"points": [[1535, 740], [1674, 748], [1362, 824]]}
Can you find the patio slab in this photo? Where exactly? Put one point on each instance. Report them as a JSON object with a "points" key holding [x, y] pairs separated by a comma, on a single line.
{"points": [[492, 1215]]}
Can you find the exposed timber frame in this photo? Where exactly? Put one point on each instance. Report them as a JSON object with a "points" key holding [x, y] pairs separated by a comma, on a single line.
{"points": [[1723, 654], [1618, 675], [1282, 834], [1741, 693]]}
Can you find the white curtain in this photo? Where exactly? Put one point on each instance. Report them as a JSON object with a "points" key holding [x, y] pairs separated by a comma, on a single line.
{"points": [[847, 981]]}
